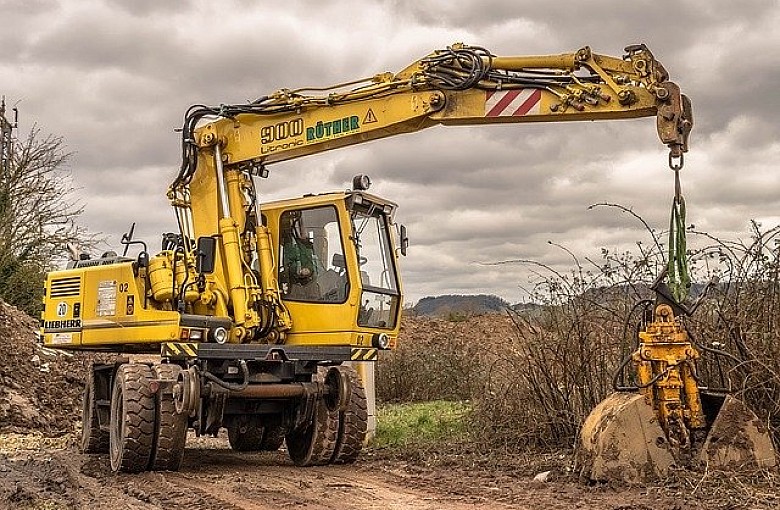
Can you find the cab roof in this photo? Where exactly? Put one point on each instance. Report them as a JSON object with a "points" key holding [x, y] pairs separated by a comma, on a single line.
{"points": [[311, 200]]}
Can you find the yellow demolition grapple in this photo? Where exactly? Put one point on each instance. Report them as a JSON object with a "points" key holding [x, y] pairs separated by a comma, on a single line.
{"points": [[635, 436]]}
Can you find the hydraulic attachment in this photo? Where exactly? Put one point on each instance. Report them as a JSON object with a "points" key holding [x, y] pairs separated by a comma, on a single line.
{"points": [[669, 418], [666, 372]]}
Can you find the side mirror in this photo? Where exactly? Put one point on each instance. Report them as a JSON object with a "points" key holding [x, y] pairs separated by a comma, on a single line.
{"points": [[206, 255], [404, 240]]}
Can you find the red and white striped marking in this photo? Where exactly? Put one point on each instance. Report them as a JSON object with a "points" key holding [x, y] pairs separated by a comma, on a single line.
{"points": [[512, 103]]}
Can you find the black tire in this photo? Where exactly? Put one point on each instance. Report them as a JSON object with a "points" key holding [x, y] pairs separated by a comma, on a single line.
{"points": [[171, 427], [314, 445], [245, 435], [132, 419], [273, 437], [353, 422], [93, 440]]}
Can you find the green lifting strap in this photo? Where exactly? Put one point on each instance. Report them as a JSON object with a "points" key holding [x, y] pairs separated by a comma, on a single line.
{"points": [[679, 279]]}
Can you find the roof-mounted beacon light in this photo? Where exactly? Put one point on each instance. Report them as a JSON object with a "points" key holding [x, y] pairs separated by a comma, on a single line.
{"points": [[361, 182]]}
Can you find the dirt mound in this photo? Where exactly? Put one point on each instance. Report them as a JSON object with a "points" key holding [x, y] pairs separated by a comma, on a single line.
{"points": [[40, 389], [483, 329], [440, 358]]}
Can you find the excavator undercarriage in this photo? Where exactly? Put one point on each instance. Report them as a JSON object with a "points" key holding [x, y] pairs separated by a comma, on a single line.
{"points": [[139, 411]]}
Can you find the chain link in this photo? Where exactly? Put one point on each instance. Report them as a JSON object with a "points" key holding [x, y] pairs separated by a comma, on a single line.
{"points": [[676, 163]]}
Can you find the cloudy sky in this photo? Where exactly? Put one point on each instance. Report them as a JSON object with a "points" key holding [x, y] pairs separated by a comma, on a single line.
{"points": [[114, 77]]}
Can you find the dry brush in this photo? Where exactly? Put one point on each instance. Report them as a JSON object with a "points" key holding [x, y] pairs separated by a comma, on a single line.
{"points": [[534, 375]]}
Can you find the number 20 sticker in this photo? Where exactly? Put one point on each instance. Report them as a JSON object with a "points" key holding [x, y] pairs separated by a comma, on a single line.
{"points": [[62, 309]]}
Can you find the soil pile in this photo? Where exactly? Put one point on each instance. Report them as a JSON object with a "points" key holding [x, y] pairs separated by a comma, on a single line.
{"points": [[490, 329], [442, 359], [40, 389]]}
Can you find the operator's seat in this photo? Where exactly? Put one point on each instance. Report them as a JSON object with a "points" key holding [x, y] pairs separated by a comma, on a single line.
{"points": [[333, 286]]}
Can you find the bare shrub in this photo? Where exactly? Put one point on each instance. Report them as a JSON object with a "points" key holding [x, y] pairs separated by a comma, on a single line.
{"points": [[533, 385], [741, 319], [561, 361]]}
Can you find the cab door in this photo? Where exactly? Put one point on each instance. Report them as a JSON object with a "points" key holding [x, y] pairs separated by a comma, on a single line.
{"points": [[313, 272]]}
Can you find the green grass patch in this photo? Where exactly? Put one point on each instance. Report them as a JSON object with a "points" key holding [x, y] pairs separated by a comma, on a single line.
{"points": [[420, 422]]}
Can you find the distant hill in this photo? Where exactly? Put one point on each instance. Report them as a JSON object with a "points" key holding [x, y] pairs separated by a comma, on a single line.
{"points": [[458, 306], [455, 304]]}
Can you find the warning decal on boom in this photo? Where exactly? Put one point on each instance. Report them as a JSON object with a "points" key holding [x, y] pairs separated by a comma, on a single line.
{"points": [[370, 117]]}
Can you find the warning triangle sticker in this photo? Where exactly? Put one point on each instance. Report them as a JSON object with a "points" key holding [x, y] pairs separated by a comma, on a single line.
{"points": [[370, 117]]}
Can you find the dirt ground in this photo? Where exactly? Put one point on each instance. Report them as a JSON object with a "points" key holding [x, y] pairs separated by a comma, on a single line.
{"points": [[50, 407], [40, 474], [40, 467]]}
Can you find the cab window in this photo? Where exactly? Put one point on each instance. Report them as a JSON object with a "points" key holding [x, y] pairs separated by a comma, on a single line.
{"points": [[380, 297], [312, 266]]}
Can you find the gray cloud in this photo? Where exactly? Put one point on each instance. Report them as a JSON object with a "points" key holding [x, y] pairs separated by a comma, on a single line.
{"points": [[114, 78]]}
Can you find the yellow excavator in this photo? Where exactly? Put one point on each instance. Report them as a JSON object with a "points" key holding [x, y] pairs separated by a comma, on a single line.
{"points": [[254, 311]]}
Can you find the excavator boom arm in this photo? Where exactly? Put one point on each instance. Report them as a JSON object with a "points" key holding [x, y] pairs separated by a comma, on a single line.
{"points": [[461, 85]]}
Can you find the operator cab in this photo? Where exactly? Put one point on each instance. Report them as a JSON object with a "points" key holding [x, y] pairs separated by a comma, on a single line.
{"points": [[337, 265]]}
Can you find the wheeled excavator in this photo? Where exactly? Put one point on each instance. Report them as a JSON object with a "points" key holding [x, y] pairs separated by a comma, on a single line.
{"points": [[254, 312]]}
